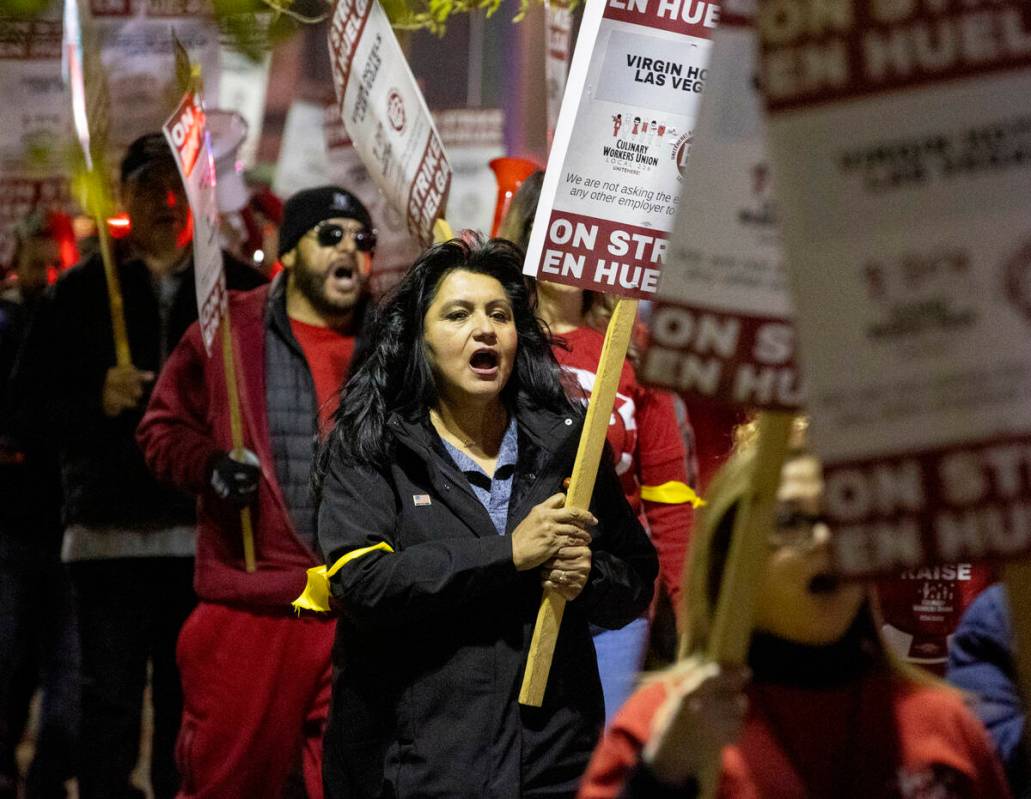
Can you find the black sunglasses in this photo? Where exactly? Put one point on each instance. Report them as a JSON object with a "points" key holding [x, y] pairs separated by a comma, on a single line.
{"points": [[331, 234]]}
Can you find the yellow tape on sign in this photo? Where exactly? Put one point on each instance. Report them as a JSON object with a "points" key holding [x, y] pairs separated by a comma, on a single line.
{"points": [[672, 493], [316, 593]]}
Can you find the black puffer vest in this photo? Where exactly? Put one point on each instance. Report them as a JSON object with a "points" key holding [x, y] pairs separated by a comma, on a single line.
{"points": [[292, 416]]}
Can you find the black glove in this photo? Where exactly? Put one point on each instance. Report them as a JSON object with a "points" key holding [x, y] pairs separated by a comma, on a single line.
{"points": [[235, 476]]}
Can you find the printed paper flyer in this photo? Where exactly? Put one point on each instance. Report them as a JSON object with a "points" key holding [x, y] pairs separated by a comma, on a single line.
{"points": [[624, 134]]}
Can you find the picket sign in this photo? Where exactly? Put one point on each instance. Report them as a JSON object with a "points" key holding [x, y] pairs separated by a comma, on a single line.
{"points": [[33, 167], [136, 40], [902, 173], [84, 74], [385, 115], [721, 327], [608, 201], [558, 26], [910, 254], [190, 142]]}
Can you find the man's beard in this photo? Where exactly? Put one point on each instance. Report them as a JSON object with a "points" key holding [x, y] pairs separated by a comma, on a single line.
{"points": [[312, 284]]}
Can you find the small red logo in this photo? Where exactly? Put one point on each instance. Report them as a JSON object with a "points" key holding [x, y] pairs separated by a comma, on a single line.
{"points": [[396, 110]]}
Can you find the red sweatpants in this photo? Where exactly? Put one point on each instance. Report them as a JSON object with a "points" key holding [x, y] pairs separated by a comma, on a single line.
{"points": [[256, 694]]}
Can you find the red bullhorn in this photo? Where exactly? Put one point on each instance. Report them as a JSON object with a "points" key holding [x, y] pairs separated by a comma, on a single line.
{"points": [[510, 174]]}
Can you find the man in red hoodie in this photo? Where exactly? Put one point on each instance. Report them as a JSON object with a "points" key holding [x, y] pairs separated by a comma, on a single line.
{"points": [[256, 680]]}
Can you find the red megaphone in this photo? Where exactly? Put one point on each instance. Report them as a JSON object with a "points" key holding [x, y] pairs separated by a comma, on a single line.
{"points": [[510, 174]]}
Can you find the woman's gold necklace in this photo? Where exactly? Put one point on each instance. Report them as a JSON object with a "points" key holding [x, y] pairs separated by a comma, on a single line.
{"points": [[455, 439]]}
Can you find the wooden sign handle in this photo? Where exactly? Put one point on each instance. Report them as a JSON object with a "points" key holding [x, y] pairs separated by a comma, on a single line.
{"points": [[581, 487], [236, 431], [732, 621], [123, 356]]}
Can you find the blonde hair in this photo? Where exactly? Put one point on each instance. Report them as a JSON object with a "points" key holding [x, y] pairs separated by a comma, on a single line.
{"points": [[710, 544]]}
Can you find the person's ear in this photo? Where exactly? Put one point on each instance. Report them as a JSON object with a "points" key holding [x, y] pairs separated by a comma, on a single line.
{"points": [[289, 258]]}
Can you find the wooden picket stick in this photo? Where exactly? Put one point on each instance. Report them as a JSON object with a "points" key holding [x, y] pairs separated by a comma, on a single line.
{"points": [[236, 432], [733, 617], [92, 128], [581, 487], [123, 356]]}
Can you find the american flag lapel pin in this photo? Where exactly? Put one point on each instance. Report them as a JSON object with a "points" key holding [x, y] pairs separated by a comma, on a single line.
{"points": [[421, 500]]}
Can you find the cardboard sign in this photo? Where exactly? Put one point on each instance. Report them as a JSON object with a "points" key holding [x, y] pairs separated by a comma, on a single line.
{"points": [[191, 145], [614, 175], [34, 134], [558, 23], [900, 145], [135, 39], [722, 324], [386, 116]]}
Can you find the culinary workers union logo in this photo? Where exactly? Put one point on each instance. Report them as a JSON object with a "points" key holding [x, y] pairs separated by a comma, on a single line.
{"points": [[396, 110]]}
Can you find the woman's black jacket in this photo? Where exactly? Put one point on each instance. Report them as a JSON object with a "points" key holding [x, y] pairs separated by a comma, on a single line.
{"points": [[432, 642]]}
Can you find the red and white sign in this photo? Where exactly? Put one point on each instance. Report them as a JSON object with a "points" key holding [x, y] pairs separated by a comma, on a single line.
{"points": [[900, 153], [558, 23], [34, 133], [722, 324], [614, 178], [386, 116], [188, 137]]}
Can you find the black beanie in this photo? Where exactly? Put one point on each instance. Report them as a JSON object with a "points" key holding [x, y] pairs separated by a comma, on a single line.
{"points": [[307, 208], [145, 150]]}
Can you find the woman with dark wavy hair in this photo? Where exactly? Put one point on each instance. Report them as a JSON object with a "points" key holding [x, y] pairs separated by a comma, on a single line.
{"points": [[442, 518]]}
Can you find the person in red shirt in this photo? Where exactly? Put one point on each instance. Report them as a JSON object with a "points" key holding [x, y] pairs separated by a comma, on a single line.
{"points": [[826, 712], [646, 441], [256, 680]]}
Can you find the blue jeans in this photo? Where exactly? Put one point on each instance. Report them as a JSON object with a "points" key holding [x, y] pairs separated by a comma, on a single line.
{"points": [[620, 655]]}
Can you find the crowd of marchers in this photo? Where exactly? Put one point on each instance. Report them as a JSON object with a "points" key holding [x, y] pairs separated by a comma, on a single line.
{"points": [[401, 479]]}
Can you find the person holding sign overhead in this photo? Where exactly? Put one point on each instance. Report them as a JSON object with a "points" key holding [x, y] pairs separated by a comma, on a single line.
{"points": [[442, 517], [256, 680], [645, 440], [823, 709]]}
